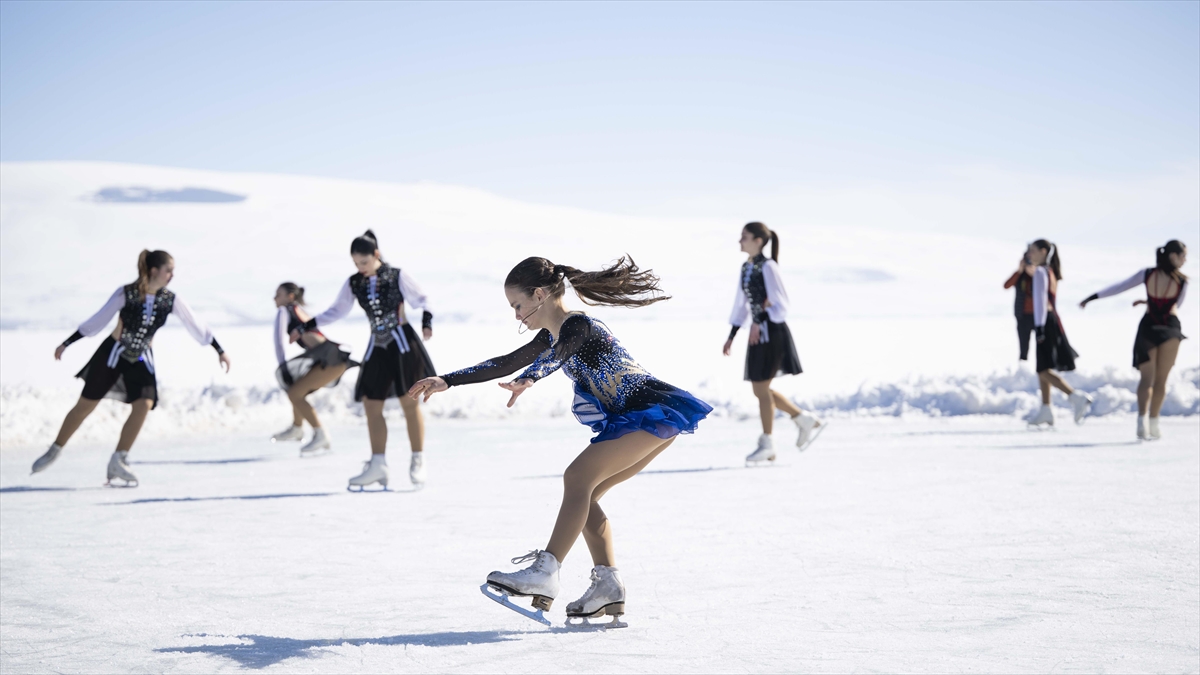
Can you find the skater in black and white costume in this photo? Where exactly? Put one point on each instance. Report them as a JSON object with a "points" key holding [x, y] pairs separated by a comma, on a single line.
{"points": [[123, 366], [635, 416], [1054, 352], [1159, 333], [395, 358], [1022, 304], [761, 298], [321, 365]]}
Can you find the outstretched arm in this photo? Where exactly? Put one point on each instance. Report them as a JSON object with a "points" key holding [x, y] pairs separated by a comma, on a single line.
{"points": [[199, 331], [337, 311], [96, 322], [1120, 287], [496, 367]]}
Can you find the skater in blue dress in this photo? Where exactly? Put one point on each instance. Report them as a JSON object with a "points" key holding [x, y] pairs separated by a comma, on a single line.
{"points": [[635, 415]]}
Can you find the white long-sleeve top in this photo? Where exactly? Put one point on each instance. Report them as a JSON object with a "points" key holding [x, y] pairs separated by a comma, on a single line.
{"points": [[344, 302], [776, 293], [1134, 281], [1041, 296], [281, 334], [96, 323]]}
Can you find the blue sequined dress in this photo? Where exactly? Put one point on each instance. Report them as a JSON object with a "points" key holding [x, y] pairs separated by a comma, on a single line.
{"points": [[613, 394]]}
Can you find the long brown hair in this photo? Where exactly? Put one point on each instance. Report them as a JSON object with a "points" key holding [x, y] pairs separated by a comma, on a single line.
{"points": [[621, 284], [294, 290], [1052, 260], [1163, 262], [766, 235], [149, 260]]}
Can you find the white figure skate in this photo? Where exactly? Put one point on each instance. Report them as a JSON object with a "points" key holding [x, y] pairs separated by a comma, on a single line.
{"points": [[1081, 404], [606, 596], [42, 463], [374, 471], [764, 453], [1044, 417], [292, 433], [319, 444], [416, 469], [810, 427], [117, 468], [539, 580], [1153, 433]]}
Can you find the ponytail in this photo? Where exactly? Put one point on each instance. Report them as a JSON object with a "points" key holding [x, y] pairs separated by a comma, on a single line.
{"points": [[768, 236], [621, 284], [1163, 260], [149, 260], [1052, 259], [297, 292], [365, 244]]}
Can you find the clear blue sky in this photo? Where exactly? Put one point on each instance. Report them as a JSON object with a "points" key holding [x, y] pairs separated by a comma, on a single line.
{"points": [[617, 106]]}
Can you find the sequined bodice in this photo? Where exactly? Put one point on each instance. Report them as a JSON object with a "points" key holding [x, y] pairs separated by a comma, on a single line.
{"points": [[380, 297], [1159, 308], [755, 287], [139, 320]]}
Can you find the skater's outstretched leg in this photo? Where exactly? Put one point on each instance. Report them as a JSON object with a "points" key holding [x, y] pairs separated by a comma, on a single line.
{"points": [[315, 379], [1163, 361], [784, 404], [1048, 379], [137, 417], [766, 405], [74, 419], [599, 462], [376, 425], [597, 532]]}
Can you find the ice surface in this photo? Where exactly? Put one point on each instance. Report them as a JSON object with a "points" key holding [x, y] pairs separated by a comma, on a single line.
{"points": [[907, 544]]}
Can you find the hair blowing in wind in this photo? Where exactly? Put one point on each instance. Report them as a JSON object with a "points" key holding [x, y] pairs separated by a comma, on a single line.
{"points": [[621, 284]]}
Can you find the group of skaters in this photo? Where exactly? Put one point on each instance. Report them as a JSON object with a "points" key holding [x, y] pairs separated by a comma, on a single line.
{"points": [[1155, 345], [635, 416]]}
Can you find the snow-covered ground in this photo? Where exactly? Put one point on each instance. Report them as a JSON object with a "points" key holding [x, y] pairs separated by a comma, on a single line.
{"points": [[905, 544]]}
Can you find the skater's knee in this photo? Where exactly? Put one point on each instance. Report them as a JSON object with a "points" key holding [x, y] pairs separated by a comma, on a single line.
{"points": [[579, 478], [142, 405], [296, 395]]}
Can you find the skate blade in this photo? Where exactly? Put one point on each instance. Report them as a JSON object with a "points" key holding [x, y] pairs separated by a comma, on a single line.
{"points": [[316, 453], [362, 488], [759, 462], [127, 484], [502, 598], [813, 435], [585, 625]]}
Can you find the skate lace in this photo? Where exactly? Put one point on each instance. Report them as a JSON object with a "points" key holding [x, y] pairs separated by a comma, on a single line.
{"points": [[533, 555]]}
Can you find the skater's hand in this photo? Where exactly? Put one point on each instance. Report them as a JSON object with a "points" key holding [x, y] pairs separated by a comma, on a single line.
{"points": [[516, 387], [58, 352], [755, 333], [428, 386], [728, 346], [223, 359], [427, 333], [1138, 302]]}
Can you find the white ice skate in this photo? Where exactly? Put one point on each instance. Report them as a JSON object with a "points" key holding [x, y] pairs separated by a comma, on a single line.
{"points": [[539, 580], [374, 471], [1141, 429], [416, 469], [292, 433], [1081, 404], [318, 445], [1044, 416], [764, 453], [810, 427], [42, 463], [1154, 433], [117, 468], [606, 596]]}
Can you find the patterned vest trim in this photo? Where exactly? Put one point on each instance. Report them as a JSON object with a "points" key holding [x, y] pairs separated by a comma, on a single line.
{"points": [[380, 297], [755, 287], [138, 326]]}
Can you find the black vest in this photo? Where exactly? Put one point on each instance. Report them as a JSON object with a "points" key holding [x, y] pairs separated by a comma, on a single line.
{"points": [[137, 327], [382, 307], [755, 287]]}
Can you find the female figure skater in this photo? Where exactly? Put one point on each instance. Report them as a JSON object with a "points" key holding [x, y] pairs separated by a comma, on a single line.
{"points": [[395, 358], [1159, 332], [1053, 350], [761, 297], [123, 366], [1022, 304], [321, 365], [635, 415]]}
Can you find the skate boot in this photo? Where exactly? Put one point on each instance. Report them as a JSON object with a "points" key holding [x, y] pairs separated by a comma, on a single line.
{"points": [[319, 442], [1141, 429], [292, 433], [1044, 416], [117, 468], [764, 453], [539, 580], [416, 469], [1153, 432], [43, 462], [606, 595], [374, 471], [807, 423], [1081, 404]]}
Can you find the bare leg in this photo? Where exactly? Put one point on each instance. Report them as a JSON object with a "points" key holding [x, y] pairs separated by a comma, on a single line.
{"points": [[297, 416], [137, 417], [415, 422], [74, 418], [1048, 378], [315, 379], [597, 463], [1167, 352], [784, 404], [376, 425], [1146, 383], [766, 405], [597, 532], [1044, 386]]}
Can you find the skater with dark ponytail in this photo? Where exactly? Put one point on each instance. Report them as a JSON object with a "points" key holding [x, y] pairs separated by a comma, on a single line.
{"points": [[395, 356], [1054, 352], [761, 298], [1159, 333], [122, 368], [321, 365], [635, 416]]}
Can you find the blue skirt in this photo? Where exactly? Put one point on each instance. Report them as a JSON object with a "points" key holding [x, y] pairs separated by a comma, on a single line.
{"points": [[679, 413]]}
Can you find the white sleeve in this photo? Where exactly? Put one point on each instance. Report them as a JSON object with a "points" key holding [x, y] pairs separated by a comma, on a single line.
{"points": [[197, 329], [281, 321], [741, 306], [339, 309], [1041, 296], [99, 320], [1182, 294], [413, 294], [1132, 282], [775, 292]]}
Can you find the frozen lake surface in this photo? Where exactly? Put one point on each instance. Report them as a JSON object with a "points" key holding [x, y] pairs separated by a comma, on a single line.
{"points": [[894, 544]]}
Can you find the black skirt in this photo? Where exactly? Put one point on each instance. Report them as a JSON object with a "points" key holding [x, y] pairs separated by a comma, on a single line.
{"points": [[324, 355], [125, 381], [1054, 352], [777, 356], [1153, 333], [390, 373]]}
